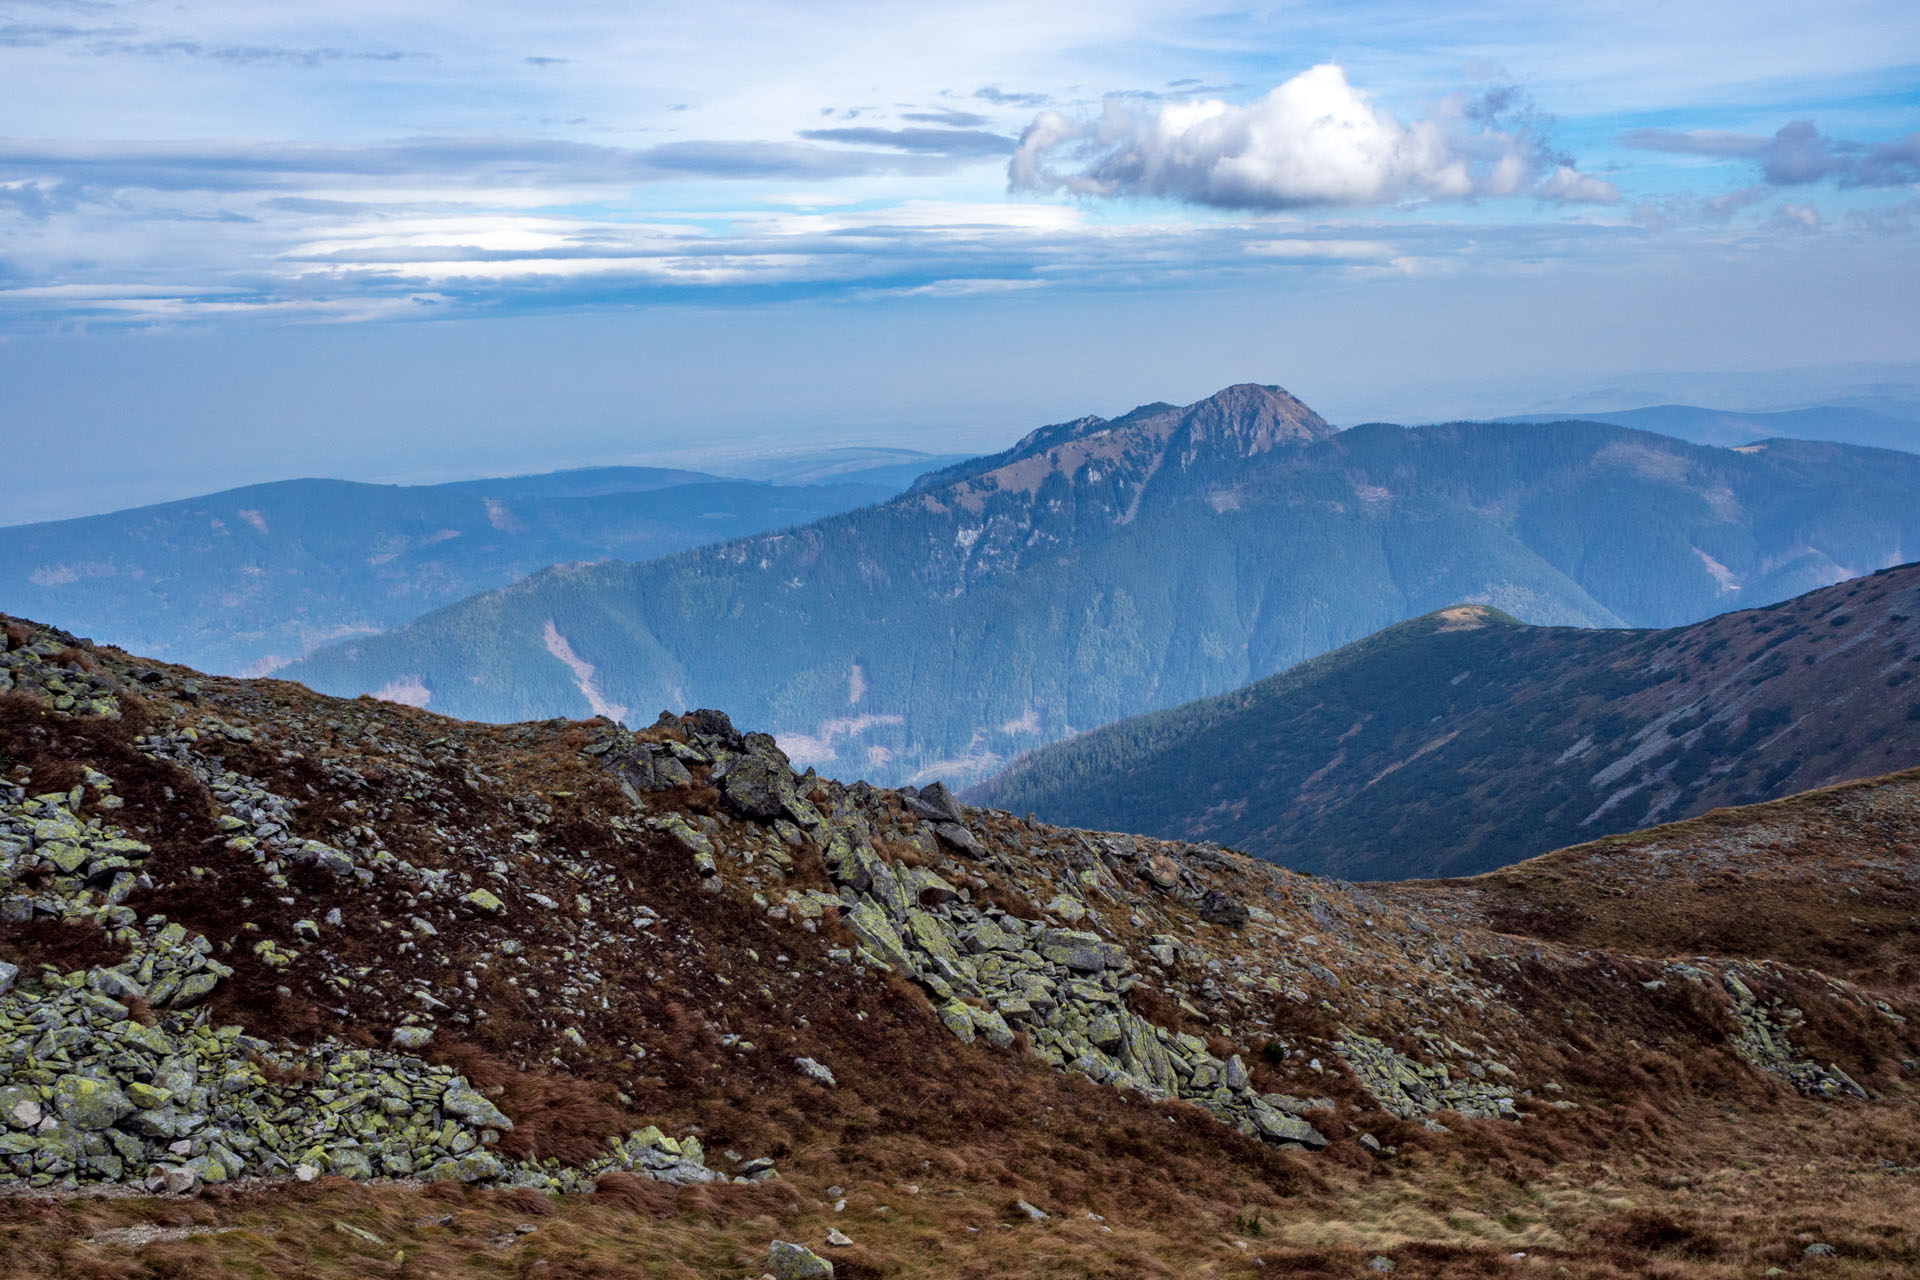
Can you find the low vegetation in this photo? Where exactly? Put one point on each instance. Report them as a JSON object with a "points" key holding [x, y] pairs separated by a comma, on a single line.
{"points": [[920, 1038], [1462, 741]]}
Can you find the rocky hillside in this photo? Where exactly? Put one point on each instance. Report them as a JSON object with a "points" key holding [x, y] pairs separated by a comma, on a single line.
{"points": [[1464, 740], [1104, 568], [1818, 879], [263, 946]]}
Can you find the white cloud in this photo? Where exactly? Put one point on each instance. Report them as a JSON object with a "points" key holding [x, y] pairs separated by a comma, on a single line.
{"points": [[1567, 185], [1314, 140], [1800, 217]]}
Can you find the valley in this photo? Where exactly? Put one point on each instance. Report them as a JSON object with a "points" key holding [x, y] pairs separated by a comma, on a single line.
{"points": [[1104, 568], [251, 579]]}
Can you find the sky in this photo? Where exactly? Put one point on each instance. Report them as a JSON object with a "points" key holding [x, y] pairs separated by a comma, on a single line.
{"points": [[411, 240]]}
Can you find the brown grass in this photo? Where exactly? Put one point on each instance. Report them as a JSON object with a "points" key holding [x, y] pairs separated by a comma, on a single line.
{"points": [[1727, 1202]]}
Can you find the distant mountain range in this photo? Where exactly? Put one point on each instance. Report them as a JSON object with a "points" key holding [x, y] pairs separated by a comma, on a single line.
{"points": [[250, 579], [892, 468], [1464, 740], [1840, 424], [1100, 568]]}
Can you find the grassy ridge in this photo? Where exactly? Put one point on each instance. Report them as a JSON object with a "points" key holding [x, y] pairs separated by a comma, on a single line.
{"points": [[1462, 741]]}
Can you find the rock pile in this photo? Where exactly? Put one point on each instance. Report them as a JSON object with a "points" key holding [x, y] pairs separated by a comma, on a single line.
{"points": [[48, 666], [1410, 1090], [992, 973], [114, 1073], [1764, 1040]]}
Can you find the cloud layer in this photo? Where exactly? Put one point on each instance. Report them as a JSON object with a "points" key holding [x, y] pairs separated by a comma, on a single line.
{"points": [[1798, 155], [1313, 141], [374, 158]]}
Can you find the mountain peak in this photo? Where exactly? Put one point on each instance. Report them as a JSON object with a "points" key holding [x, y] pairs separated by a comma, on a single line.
{"points": [[1239, 421], [1254, 416]]}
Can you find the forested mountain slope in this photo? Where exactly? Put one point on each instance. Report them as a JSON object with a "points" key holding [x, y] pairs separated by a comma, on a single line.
{"points": [[1104, 568], [1465, 740], [251, 578]]}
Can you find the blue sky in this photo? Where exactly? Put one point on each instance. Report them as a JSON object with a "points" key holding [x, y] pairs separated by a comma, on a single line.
{"points": [[240, 241]]}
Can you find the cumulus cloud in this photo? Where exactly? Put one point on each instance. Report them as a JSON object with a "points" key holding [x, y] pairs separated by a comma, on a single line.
{"points": [[1312, 141], [1798, 155]]}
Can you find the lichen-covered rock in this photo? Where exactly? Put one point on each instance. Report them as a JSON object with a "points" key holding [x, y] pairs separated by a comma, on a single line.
{"points": [[815, 1071], [486, 901], [87, 1103], [787, 1261], [412, 1039], [1223, 909], [464, 1103]]}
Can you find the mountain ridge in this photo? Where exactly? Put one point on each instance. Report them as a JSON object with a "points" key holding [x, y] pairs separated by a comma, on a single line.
{"points": [[1838, 423], [1107, 572], [253, 577], [1464, 739]]}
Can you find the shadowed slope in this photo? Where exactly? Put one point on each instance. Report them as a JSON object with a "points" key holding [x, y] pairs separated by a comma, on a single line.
{"points": [[1462, 740]]}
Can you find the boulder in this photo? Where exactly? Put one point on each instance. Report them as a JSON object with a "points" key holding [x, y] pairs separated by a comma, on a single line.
{"points": [[88, 1104], [463, 1103], [1223, 909], [935, 803], [959, 839], [796, 1262], [760, 785], [1080, 951], [1285, 1129], [712, 724]]}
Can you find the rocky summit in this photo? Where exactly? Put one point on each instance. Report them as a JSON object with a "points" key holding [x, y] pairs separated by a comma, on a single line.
{"points": [[347, 988]]}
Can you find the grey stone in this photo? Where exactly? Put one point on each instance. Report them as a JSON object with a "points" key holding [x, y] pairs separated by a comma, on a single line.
{"points": [[786, 1261], [115, 985], [1287, 1129], [463, 1103], [1222, 909], [89, 1104], [815, 1071], [1082, 952], [959, 838], [934, 803]]}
